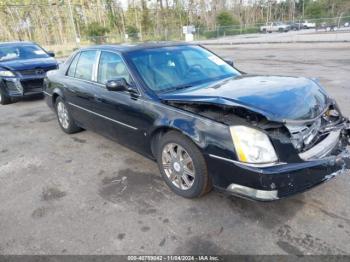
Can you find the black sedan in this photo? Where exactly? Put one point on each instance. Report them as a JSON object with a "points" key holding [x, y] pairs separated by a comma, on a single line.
{"points": [[206, 123], [23, 66]]}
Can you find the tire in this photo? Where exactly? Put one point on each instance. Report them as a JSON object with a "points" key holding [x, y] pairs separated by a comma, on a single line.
{"points": [[4, 99], [199, 180], [64, 117]]}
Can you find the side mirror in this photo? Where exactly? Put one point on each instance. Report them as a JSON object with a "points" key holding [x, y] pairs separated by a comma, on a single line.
{"points": [[118, 84], [229, 61], [51, 53]]}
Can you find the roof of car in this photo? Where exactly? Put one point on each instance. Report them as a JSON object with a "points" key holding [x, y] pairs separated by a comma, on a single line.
{"points": [[16, 43], [133, 47]]}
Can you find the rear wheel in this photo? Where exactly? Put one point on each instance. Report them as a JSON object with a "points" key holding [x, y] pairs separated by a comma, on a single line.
{"points": [[64, 117], [4, 99], [183, 166]]}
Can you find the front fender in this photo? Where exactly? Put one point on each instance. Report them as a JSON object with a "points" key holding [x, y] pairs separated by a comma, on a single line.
{"points": [[210, 136]]}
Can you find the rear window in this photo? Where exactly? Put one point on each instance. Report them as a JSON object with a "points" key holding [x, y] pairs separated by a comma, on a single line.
{"points": [[83, 69]]}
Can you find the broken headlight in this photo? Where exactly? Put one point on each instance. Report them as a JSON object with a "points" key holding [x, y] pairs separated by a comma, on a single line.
{"points": [[252, 146]]}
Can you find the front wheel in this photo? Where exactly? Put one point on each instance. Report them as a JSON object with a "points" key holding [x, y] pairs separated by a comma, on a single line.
{"points": [[64, 117], [4, 99], [183, 166]]}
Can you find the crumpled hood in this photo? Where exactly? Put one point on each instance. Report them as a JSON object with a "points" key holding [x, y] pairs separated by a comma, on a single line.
{"points": [[28, 64], [278, 98]]}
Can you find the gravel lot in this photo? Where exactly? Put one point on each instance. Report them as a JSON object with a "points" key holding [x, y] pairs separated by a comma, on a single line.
{"points": [[83, 194]]}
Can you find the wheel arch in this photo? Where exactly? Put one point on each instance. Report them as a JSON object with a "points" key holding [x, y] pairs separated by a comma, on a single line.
{"points": [[159, 131], [56, 93]]}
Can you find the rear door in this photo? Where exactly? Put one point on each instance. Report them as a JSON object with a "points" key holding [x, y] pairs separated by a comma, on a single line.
{"points": [[79, 91]]}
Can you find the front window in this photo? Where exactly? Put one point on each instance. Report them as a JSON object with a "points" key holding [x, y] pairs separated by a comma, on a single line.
{"points": [[21, 52], [169, 68], [111, 66]]}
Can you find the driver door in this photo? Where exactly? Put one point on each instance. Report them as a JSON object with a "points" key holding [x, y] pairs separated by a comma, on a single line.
{"points": [[122, 115]]}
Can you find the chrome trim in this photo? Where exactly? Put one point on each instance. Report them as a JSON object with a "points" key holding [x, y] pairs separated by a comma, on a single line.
{"points": [[46, 93], [264, 195], [96, 66], [323, 148], [248, 164], [105, 117]]}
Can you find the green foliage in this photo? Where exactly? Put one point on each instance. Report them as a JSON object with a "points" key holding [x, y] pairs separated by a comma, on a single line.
{"points": [[146, 21], [225, 18], [315, 10], [132, 31], [95, 29]]}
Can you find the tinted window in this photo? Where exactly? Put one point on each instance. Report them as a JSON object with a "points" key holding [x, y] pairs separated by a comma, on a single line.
{"points": [[85, 65], [167, 68], [111, 66], [14, 52], [73, 66]]}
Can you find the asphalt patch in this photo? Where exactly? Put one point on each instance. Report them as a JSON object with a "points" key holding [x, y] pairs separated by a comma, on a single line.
{"points": [[52, 193]]}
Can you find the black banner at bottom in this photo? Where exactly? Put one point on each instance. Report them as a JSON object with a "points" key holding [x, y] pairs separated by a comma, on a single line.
{"points": [[171, 258]]}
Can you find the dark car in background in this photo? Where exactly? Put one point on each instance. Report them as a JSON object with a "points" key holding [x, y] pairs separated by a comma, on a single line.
{"points": [[206, 123], [328, 27], [295, 26], [23, 66]]}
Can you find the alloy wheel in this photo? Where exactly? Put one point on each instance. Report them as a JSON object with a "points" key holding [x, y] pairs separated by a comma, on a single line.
{"points": [[178, 166], [62, 114]]}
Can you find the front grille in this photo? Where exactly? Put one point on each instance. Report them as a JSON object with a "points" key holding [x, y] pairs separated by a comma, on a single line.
{"points": [[28, 72], [32, 85], [36, 71]]}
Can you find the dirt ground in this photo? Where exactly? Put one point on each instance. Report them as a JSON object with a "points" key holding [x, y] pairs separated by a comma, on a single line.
{"points": [[83, 194]]}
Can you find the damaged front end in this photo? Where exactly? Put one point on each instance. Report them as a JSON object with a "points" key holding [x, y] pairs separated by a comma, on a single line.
{"points": [[324, 135], [310, 151]]}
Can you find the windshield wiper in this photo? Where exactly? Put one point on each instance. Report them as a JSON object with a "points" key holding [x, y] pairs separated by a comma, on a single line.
{"points": [[179, 87], [182, 87]]}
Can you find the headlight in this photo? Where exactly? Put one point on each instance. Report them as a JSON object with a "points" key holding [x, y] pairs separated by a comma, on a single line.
{"points": [[252, 146], [6, 73]]}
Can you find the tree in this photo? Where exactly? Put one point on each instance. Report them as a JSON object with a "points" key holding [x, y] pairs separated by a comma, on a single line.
{"points": [[132, 31], [96, 32], [225, 18], [315, 10]]}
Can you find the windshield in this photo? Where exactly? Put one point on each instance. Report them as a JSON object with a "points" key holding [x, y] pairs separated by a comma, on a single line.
{"points": [[14, 52], [170, 68]]}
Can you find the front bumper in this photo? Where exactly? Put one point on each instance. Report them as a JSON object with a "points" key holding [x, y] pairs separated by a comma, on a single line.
{"points": [[275, 182], [19, 87]]}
